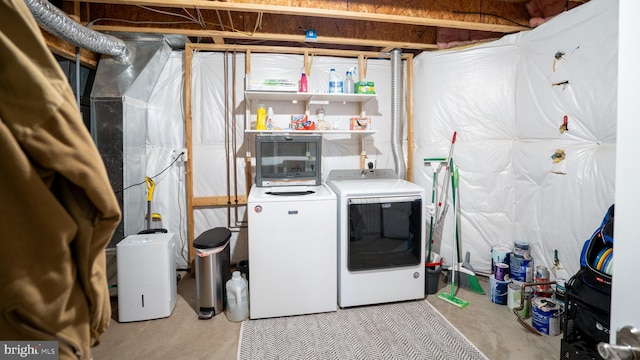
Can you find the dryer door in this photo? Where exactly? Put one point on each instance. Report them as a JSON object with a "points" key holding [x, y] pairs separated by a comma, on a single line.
{"points": [[384, 232]]}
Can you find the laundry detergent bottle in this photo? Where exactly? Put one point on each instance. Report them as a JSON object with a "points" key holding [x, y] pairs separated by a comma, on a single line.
{"points": [[237, 308], [261, 118]]}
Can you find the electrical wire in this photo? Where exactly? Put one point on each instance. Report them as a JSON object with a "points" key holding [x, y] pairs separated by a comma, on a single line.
{"points": [[170, 13], [258, 23], [181, 224], [197, 20], [154, 176], [201, 18], [489, 14], [231, 20], [143, 22], [192, 19]]}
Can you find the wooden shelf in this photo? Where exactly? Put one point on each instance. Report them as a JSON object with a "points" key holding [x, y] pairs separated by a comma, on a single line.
{"points": [[308, 97], [288, 131]]}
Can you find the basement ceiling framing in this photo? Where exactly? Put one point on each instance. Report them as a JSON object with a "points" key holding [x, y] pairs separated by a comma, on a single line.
{"points": [[360, 25]]}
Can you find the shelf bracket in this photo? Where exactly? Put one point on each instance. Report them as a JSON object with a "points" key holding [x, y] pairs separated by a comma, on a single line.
{"points": [[363, 152], [307, 64]]}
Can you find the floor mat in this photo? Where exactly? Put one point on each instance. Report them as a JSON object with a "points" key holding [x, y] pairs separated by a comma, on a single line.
{"points": [[404, 330]]}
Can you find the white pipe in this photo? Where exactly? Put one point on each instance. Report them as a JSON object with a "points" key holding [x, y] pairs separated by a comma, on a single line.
{"points": [[59, 24], [396, 105]]}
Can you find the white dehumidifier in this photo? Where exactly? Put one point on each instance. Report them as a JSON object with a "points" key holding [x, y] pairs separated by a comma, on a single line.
{"points": [[147, 278]]}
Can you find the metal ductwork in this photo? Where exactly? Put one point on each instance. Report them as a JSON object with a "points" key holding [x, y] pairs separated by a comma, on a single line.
{"points": [[119, 110], [59, 24], [396, 113]]}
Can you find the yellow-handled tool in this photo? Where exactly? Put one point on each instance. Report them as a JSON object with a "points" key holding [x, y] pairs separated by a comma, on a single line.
{"points": [[151, 186]]}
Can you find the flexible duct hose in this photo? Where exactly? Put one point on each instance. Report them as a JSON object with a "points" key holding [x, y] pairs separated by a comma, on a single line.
{"points": [[59, 24], [396, 106]]}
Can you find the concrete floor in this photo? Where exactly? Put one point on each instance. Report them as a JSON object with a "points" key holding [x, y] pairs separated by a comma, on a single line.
{"points": [[491, 327]]}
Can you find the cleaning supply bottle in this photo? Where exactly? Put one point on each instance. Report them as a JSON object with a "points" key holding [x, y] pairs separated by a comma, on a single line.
{"points": [[349, 84], [237, 308], [304, 85], [261, 119], [270, 124], [335, 82]]}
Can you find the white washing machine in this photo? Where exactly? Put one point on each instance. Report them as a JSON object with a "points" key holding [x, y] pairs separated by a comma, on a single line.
{"points": [[292, 251], [381, 237]]}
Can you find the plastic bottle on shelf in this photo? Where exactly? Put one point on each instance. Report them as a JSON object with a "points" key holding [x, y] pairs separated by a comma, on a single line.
{"points": [[335, 82], [237, 308], [354, 77], [261, 118], [304, 85], [349, 84], [270, 124]]}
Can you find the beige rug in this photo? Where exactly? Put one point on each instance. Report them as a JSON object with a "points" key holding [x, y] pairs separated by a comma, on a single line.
{"points": [[404, 330]]}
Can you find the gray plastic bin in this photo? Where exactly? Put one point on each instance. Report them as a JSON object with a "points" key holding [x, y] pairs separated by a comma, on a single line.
{"points": [[212, 259]]}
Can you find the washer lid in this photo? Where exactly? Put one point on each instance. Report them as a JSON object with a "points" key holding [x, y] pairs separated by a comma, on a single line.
{"points": [[291, 193]]}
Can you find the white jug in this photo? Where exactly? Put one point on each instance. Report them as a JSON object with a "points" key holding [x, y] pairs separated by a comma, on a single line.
{"points": [[237, 298]]}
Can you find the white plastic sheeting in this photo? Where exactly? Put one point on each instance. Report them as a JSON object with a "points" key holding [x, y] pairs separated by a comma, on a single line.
{"points": [[213, 112], [165, 133], [501, 100]]}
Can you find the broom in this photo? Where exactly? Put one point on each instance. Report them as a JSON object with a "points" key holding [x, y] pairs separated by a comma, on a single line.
{"points": [[467, 278], [451, 297]]}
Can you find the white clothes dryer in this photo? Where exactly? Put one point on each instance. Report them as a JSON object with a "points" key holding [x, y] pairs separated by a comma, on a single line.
{"points": [[381, 237]]}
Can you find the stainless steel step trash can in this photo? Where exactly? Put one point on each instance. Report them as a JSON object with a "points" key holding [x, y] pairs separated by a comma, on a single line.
{"points": [[212, 259]]}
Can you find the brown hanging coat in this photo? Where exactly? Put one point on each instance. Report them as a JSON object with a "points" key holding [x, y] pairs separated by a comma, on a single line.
{"points": [[57, 208]]}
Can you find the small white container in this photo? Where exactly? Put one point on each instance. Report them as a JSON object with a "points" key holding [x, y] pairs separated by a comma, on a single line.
{"points": [[270, 122], [335, 82], [237, 308]]}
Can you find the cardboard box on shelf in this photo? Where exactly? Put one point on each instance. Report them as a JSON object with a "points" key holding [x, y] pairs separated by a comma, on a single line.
{"points": [[360, 123]]}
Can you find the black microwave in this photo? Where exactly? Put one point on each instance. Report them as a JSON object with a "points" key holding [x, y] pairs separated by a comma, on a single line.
{"points": [[288, 160]]}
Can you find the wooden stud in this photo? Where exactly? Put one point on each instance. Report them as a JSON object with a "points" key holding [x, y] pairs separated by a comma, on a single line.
{"points": [[409, 117], [67, 50], [362, 69], [215, 201], [188, 57], [363, 153], [307, 64], [247, 122], [76, 10]]}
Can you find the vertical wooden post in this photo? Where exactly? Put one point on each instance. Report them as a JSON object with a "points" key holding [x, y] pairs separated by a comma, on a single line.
{"points": [[76, 10], [247, 122], [363, 152], [362, 74], [409, 105], [307, 64], [362, 68]]}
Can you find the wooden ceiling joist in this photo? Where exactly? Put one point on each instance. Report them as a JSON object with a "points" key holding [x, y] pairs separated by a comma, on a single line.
{"points": [[264, 7], [219, 35], [66, 50]]}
